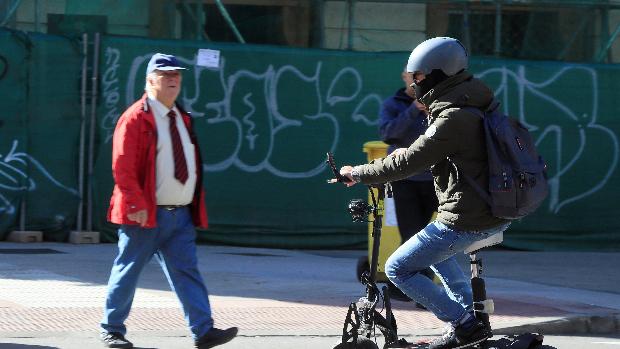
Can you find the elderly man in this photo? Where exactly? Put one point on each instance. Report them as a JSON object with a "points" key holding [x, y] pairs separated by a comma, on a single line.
{"points": [[157, 200]]}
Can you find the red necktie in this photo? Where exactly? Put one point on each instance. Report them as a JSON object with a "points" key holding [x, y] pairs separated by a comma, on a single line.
{"points": [[180, 166]]}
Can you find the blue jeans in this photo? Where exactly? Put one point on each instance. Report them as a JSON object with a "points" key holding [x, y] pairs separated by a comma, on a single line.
{"points": [[173, 244], [435, 246]]}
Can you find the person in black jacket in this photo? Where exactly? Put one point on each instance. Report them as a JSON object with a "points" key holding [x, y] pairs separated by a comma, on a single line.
{"points": [[452, 145]]}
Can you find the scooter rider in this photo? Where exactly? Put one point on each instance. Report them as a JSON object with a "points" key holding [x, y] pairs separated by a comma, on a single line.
{"points": [[454, 136]]}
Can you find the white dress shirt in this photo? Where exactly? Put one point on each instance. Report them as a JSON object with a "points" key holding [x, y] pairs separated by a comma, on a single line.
{"points": [[169, 191]]}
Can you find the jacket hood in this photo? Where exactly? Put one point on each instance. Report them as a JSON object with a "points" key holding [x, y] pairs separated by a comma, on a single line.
{"points": [[460, 90]]}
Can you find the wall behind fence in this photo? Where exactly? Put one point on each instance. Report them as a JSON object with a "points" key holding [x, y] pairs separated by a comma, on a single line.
{"points": [[267, 116], [39, 131]]}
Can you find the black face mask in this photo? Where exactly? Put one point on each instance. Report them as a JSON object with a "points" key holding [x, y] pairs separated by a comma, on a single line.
{"points": [[431, 80]]}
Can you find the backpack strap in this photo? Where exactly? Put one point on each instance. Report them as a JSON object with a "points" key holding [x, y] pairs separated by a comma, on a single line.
{"points": [[489, 109], [475, 111], [483, 194]]}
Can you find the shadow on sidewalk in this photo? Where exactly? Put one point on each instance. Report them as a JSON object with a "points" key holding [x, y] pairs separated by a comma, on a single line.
{"points": [[24, 346]]}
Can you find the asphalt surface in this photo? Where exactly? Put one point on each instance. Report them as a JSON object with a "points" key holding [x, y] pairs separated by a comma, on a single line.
{"points": [[290, 299]]}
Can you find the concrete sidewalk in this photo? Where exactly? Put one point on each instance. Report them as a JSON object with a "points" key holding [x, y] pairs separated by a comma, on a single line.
{"points": [[51, 296]]}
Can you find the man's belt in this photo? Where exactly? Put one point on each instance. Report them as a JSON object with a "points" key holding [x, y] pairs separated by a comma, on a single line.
{"points": [[171, 207]]}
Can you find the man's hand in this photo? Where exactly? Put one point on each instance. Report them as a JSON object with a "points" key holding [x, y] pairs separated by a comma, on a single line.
{"points": [[346, 171], [139, 217], [420, 106]]}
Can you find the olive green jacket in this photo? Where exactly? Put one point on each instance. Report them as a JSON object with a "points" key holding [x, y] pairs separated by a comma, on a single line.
{"points": [[453, 133]]}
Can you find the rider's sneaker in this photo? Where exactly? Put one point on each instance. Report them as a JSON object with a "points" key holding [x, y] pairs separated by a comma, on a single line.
{"points": [[464, 336], [115, 340], [448, 330]]}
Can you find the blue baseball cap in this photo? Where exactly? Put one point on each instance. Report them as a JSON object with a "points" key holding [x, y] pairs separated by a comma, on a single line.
{"points": [[161, 61]]}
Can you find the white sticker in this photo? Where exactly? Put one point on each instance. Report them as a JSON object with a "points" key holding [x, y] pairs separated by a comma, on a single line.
{"points": [[208, 58], [430, 131]]}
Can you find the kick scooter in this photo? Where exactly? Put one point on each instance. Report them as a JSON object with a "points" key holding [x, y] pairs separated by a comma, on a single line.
{"points": [[363, 318]]}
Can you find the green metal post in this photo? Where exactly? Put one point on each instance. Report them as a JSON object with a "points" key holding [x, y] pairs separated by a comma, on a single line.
{"points": [[604, 24], [36, 16], [10, 13], [582, 25], [466, 27], [319, 24], [351, 10], [497, 50], [197, 20], [199, 28], [605, 49], [229, 20]]}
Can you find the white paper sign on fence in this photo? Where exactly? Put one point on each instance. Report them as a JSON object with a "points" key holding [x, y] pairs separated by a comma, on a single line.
{"points": [[208, 58]]}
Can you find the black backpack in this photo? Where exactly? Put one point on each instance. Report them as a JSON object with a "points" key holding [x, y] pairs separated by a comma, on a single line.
{"points": [[517, 174]]}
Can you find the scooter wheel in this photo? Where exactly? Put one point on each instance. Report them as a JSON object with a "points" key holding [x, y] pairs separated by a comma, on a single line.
{"points": [[362, 343]]}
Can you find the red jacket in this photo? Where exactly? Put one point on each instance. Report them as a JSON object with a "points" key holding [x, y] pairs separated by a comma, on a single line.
{"points": [[134, 148]]}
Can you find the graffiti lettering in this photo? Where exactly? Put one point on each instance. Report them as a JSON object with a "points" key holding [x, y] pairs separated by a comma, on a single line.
{"points": [[571, 139], [13, 173], [255, 112], [111, 94]]}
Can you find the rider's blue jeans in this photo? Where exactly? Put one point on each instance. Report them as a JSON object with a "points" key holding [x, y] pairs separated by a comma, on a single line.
{"points": [[172, 242], [436, 246]]}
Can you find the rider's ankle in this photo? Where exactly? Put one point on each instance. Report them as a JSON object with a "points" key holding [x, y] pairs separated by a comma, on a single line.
{"points": [[466, 320]]}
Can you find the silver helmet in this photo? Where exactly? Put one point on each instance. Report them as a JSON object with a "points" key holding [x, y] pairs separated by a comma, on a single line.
{"points": [[446, 54]]}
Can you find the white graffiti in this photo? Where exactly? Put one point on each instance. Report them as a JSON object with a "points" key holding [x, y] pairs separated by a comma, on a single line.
{"points": [[111, 94], [250, 110], [572, 137], [255, 115], [14, 176]]}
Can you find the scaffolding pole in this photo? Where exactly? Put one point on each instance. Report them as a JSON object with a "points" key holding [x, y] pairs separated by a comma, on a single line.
{"points": [[10, 13], [36, 16], [91, 133], [497, 50], [582, 24], [201, 32], [199, 27], [80, 211], [607, 46], [466, 27], [351, 11], [229, 20]]}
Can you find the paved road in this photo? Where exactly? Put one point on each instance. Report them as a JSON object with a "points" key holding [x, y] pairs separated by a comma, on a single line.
{"points": [[80, 341], [285, 299]]}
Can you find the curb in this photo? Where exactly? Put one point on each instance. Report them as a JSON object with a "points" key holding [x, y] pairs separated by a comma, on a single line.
{"points": [[588, 325]]}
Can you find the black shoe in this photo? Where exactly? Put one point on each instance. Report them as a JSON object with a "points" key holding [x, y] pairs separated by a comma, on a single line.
{"points": [[215, 337], [462, 337], [115, 340]]}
